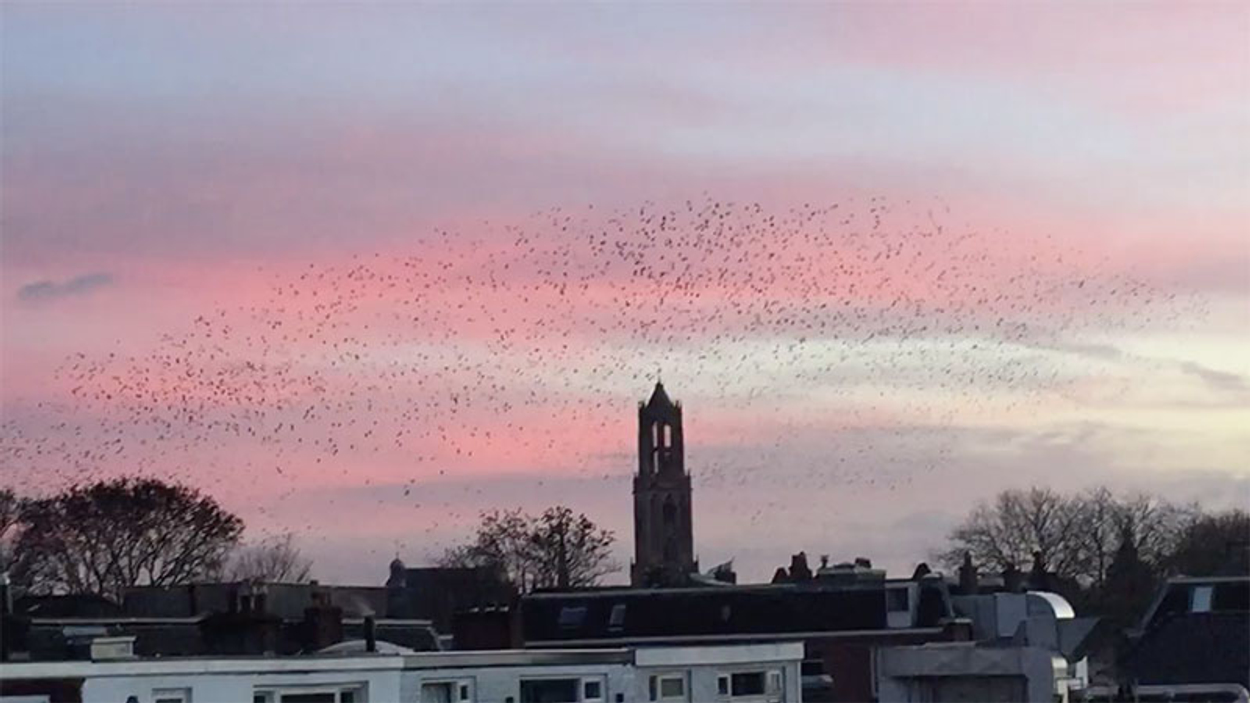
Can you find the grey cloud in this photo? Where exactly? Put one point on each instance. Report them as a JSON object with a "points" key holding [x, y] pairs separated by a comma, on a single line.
{"points": [[1215, 379], [53, 290]]}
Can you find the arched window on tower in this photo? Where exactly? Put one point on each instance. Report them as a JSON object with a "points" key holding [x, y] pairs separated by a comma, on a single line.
{"points": [[661, 440], [670, 512]]}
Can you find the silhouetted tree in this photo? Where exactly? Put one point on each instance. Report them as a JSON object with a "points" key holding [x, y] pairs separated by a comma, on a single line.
{"points": [[106, 536], [501, 543], [558, 549], [569, 550], [1075, 538], [10, 516], [1017, 528], [1129, 586], [275, 560], [1213, 545]]}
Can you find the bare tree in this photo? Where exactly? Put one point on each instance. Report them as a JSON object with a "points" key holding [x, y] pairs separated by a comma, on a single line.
{"points": [[107, 536], [557, 549], [1018, 527], [1154, 525], [1077, 537], [1213, 544], [11, 507], [569, 550], [502, 542], [275, 560]]}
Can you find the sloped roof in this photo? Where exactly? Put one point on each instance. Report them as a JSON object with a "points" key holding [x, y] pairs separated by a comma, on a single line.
{"points": [[1195, 648]]}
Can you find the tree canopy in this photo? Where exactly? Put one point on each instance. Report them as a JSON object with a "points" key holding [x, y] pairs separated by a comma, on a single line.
{"points": [[104, 537], [1106, 552], [275, 560], [557, 549], [1075, 537]]}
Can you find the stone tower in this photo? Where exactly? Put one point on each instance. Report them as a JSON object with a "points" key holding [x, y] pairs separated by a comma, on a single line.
{"points": [[663, 535]]}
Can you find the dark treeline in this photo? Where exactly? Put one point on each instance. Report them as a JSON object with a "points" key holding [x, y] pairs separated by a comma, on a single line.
{"points": [[1106, 553], [107, 536]]}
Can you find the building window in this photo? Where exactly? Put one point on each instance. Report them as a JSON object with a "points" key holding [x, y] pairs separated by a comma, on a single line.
{"points": [[572, 617], [898, 607], [171, 695], [550, 691], [445, 692], [667, 687], [310, 697], [592, 691], [328, 694], [897, 600], [616, 620], [751, 685], [747, 683], [1201, 602], [774, 683]]}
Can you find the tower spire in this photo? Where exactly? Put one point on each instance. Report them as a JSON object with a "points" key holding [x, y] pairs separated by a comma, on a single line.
{"points": [[663, 538]]}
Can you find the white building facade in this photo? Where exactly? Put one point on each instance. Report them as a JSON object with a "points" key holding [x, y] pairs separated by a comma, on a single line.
{"points": [[751, 673]]}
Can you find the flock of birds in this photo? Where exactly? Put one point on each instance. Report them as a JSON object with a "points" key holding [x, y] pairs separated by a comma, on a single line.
{"points": [[823, 347]]}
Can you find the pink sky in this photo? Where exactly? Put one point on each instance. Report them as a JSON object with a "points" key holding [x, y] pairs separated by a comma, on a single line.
{"points": [[1055, 292]]}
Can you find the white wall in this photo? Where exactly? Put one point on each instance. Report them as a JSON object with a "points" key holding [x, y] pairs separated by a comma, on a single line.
{"points": [[496, 684], [494, 677], [380, 686], [702, 666]]}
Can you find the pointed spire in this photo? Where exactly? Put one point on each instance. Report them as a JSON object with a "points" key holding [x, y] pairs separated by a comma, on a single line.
{"points": [[659, 397]]}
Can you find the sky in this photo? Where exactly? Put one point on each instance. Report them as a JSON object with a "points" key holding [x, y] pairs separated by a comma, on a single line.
{"points": [[891, 258]]}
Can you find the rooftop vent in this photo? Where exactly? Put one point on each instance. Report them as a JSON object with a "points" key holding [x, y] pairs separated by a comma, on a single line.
{"points": [[113, 648]]}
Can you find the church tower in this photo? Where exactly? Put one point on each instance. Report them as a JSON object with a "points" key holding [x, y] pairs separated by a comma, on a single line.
{"points": [[663, 535]]}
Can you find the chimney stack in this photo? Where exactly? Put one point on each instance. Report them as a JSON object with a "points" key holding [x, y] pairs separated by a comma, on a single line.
{"points": [[968, 576], [323, 624], [371, 634]]}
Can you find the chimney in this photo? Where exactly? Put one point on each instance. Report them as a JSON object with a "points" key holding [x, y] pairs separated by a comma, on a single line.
{"points": [[371, 634], [968, 576], [799, 570], [1012, 579], [322, 626]]}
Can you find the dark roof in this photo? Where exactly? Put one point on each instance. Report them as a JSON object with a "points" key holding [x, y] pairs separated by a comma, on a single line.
{"points": [[436, 593], [286, 600], [1194, 648], [83, 605], [731, 611]]}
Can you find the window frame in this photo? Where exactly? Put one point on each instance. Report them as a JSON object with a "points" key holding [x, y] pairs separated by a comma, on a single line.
{"points": [[275, 694], [577, 685], [616, 617], [655, 686], [773, 681], [1201, 598], [456, 688], [598, 681]]}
